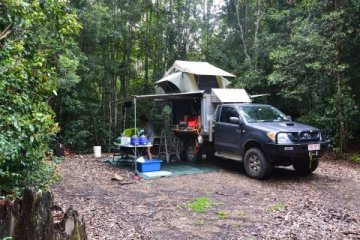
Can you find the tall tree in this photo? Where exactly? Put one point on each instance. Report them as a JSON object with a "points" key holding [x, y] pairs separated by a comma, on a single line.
{"points": [[35, 58]]}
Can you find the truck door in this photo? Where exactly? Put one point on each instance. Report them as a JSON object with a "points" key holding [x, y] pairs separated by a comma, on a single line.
{"points": [[228, 135]]}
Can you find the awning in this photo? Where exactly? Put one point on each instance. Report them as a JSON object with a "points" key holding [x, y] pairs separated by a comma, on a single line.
{"points": [[260, 95], [198, 68], [172, 96], [228, 95]]}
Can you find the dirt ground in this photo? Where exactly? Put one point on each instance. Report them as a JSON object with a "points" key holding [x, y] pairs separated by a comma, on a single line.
{"points": [[325, 205]]}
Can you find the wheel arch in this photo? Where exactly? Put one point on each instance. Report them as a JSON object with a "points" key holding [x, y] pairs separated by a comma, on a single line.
{"points": [[250, 144]]}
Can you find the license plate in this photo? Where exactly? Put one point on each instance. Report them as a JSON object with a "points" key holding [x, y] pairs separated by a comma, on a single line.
{"points": [[314, 147]]}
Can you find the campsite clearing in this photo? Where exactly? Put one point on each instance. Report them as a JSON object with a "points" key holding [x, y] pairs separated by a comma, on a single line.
{"points": [[324, 205]]}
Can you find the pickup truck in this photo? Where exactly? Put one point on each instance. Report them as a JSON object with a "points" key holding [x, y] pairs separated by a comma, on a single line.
{"points": [[261, 136]]}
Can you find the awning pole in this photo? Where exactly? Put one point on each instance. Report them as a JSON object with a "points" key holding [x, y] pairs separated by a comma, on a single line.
{"points": [[135, 122], [136, 134]]}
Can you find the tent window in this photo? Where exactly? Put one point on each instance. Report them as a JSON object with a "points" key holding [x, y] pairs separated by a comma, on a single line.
{"points": [[206, 82], [169, 87]]}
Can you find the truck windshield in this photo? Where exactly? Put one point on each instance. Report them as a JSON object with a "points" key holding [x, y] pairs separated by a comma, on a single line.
{"points": [[262, 114]]}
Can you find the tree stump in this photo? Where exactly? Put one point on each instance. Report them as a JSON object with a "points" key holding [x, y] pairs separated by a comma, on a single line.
{"points": [[31, 218]]}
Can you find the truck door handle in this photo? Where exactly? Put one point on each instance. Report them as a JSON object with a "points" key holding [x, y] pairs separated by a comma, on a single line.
{"points": [[238, 130]]}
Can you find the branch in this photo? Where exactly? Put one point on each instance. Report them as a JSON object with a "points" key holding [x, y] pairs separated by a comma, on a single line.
{"points": [[241, 31], [259, 14], [5, 32]]}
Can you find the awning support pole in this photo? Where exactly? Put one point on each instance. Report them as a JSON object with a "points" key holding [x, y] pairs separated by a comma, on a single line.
{"points": [[136, 134]]}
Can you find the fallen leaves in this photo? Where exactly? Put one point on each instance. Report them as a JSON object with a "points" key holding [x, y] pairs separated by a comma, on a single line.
{"points": [[322, 206]]}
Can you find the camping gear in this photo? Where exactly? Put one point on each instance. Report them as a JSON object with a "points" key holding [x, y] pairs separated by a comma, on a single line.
{"points": [[140, 160], [143, 140], [97, 151], [187, 76], [118, 140], [182, 125], [134, 140], [149, 165], [125, 140], [191, 121], [157, 174], [130, 132]]}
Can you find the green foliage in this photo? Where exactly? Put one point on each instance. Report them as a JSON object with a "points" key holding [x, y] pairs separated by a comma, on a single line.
{"points": [[304, 53], [199, 204], [310, 71], [28, 61], [356, 157], [222, 214], [276, 207]]}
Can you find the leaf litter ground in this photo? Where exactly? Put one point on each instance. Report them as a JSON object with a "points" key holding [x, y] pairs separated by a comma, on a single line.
{"points": [[325, 205]]}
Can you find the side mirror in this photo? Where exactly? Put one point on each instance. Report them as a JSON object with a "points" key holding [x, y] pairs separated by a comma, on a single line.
{"points": [[235, 120]]}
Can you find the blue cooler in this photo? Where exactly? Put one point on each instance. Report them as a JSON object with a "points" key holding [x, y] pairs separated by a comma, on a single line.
{"points": [[149, 165], [134, 141], [143, 140]]}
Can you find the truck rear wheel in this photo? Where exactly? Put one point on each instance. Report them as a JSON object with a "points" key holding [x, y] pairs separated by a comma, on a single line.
{"points": [[306, 167], [191, 153], [256, 164]]}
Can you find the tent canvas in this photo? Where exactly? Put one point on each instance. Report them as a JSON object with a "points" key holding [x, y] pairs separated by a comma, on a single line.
{"points": [[186, 76], [197, 68]]}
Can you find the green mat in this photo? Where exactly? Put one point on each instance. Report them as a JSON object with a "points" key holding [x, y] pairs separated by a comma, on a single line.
{"points": [[176, 168]]}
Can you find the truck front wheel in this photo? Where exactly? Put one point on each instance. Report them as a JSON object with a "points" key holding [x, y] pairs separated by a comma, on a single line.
{"points": [[256, 164]]}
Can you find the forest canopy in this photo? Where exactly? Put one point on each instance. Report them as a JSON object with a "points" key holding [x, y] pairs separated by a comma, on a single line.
{"points": [[65, 64]]}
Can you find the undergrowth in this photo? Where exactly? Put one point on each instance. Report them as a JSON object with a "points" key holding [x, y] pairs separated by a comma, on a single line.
{"points": [[199, 204], [356, 157]]}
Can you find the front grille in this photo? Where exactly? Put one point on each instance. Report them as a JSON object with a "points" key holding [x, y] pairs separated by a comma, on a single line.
{"points": [[309, 136], [293, 137]]}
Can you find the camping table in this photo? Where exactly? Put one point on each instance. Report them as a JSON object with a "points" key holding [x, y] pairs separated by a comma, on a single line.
{"points": [[134, 150]]}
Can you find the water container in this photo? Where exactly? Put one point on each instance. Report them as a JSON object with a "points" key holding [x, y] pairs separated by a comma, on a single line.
{"points": [[97, 151], [123, 140], [143, 140], [134, 141]]}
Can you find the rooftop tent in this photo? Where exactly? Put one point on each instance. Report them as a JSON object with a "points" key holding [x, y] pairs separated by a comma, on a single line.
{"points": [[185, 76], [198, 68]]}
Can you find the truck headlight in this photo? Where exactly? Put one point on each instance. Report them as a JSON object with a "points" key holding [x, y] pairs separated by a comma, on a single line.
{"points": [[271, 135], [283, 138]]}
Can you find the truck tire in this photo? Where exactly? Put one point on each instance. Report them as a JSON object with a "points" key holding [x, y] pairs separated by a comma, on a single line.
{"points": [[191, 154], [256, 164], [304, 167]]}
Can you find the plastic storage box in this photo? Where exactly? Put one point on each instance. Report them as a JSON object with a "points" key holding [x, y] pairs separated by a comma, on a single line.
{"points": [[149, 165]]}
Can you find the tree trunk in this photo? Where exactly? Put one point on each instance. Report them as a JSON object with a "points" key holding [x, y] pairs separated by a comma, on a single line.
{"points": [[31, 218]]}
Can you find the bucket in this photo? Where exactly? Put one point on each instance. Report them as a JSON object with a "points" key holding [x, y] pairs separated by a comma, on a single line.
{"points": [[97, 151]]}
